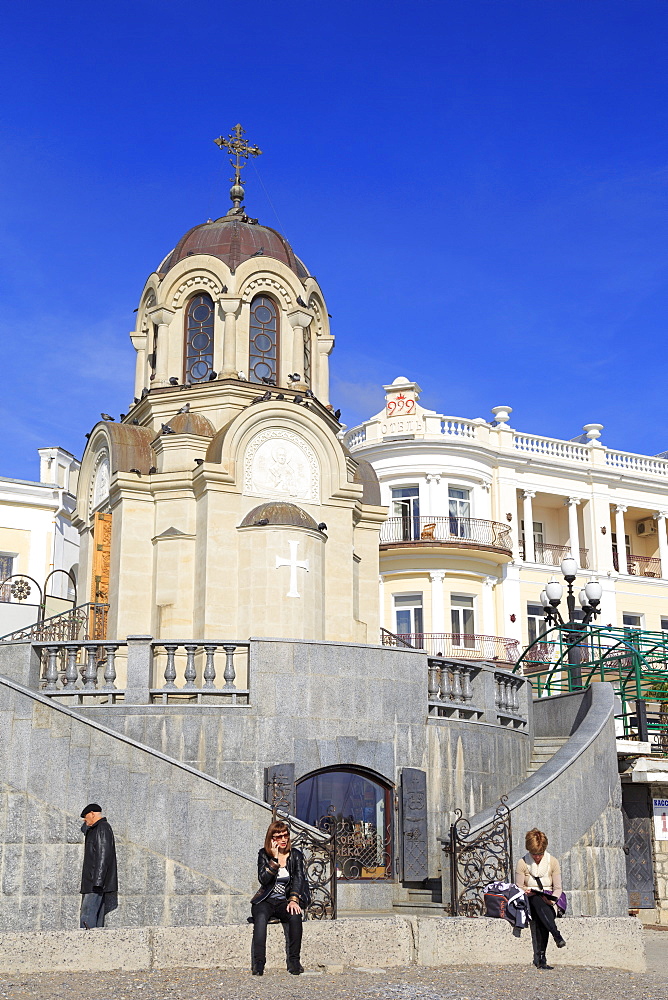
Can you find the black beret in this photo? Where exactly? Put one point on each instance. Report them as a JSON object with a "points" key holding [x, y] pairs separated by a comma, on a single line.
{"points": [[92, 807]]}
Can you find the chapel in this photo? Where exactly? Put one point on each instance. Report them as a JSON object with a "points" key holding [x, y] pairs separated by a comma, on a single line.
{"points": [[224, 502]]}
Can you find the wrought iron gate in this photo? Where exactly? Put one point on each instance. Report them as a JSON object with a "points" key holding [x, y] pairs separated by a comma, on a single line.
{"points": [[478, 858], [638, 846], [319, 850]]}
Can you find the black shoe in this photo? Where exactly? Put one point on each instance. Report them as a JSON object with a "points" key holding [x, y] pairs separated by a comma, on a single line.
{"points": [[543, 963], [295, 968], [259, 971], [559, 941]]}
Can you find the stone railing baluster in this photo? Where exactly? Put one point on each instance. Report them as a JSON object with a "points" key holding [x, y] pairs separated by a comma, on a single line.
{"points": [[110, 667], [230, 672], [446, 683], [498, 687], [456, 684], [516, 697], [433, 686], [190, 671], [467, 687], [51, 673], [71, 672], [90, 673], [210, 667], [170, 669]]}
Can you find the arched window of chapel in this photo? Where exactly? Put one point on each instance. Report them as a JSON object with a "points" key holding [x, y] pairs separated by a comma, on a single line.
{"points": [[199, 339], [263, 340]]}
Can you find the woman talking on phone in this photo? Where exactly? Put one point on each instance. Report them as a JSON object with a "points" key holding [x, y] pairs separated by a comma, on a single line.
{"points": [[282, 893]]}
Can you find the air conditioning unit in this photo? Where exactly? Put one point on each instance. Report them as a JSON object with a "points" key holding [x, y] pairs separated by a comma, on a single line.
{"points": [[646, 527]]}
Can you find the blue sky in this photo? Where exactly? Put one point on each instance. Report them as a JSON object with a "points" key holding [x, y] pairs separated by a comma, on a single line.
{"points": [[480, 186]]}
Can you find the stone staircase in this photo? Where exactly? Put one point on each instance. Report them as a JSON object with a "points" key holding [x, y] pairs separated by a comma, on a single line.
{"points": [[427, 899], [544, 748]]}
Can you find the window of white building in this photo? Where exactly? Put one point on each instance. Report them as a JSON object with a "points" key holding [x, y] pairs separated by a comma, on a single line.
{"points": [[459, 509], [462, 620], [406, 507], [6, 569], [630, 620], [408, 617], [664, 624], [536, 624], [538, 539]]}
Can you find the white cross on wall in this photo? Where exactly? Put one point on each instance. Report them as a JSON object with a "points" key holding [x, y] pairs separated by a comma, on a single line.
{"points": [[294, 565]]}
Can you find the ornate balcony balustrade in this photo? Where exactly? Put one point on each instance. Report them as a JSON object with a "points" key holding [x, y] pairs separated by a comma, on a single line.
{"points": [[457, 645], [639, 565], [450, 530], [551, 555]]}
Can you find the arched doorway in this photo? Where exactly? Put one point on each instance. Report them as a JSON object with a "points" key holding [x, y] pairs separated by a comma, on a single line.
{"points": [[356, 806]]}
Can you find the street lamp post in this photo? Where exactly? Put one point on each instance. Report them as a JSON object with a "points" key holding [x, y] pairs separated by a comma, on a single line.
{"points": [[589, 597]]}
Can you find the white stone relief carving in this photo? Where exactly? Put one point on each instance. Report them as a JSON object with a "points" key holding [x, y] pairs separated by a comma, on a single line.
{"points": [[202, 282], [281, 464], [100, 487], [270, 283], [294, 564]]}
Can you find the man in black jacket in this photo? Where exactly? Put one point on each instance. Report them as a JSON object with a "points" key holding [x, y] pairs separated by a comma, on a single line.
{"points": [[99, 866]]}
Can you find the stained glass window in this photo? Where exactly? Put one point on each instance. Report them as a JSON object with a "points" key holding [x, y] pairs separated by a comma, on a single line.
{"points": [[263, 354], [199, 339]]}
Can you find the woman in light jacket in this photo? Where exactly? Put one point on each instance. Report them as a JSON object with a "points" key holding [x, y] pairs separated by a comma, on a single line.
{"points": [[538, 873], [283, 893]]}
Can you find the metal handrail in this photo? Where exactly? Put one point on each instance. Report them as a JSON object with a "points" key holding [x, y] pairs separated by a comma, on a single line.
{"points": [[550, 554], [446, 530], [86, 621], [639, 565], [459, 645]]}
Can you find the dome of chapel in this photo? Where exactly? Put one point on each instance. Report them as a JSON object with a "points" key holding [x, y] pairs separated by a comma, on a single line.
{"points": [[234, 239]]}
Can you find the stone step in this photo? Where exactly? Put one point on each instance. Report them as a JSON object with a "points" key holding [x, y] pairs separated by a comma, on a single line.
{"points": [[426, 909], [544, 749]]}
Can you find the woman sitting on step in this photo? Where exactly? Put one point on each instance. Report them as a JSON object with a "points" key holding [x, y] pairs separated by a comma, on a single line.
{"points": [[538, 873], [282, 893]]}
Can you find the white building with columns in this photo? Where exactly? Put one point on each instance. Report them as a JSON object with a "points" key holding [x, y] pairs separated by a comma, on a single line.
{"points": [[481, 516]]}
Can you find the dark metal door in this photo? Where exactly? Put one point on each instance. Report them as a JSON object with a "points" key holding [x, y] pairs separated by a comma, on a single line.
{"points": [[638, 846], [414, 824]]}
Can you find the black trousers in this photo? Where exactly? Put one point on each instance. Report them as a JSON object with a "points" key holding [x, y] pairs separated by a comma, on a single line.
{"points": [[262, 913], [544, 922]]}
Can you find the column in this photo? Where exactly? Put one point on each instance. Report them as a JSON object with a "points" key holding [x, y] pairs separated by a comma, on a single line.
{"points": [[488, 616], [437, 602], [162, 316], [324, 347], [660, 518], [573, 532], [622, 567], [225, 362], [381, 604], [527, 514], [299, 320], [432, 483]]}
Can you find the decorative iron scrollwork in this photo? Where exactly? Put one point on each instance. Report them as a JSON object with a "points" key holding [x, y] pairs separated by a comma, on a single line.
{"points": [[478, 859], [319, 853], [362, 850]]}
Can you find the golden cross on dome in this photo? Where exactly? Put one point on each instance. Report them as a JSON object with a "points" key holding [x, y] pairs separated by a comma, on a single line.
{"points": [[240, 148]]}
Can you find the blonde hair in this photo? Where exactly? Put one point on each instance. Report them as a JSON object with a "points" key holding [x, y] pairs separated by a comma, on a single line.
{"points": [[535, 841]]}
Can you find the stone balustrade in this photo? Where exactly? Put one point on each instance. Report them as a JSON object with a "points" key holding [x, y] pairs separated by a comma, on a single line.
{"points": [[87, 672], [476, 692], [197, 666]]}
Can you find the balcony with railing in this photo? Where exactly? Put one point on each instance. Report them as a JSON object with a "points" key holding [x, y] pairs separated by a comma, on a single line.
{"points": [[551, 555], [639, 565], [457, 645], [466, 532]]}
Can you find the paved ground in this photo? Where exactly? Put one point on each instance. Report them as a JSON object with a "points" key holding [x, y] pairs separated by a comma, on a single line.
{"points": [[453, 983]]}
